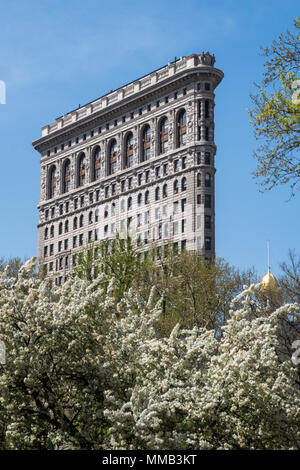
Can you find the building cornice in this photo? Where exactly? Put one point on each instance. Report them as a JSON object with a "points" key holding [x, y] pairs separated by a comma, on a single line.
{"points": [[105, 108]]}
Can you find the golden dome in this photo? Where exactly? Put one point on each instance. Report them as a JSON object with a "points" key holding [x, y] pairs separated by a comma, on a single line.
{"points": [[269, 282]]}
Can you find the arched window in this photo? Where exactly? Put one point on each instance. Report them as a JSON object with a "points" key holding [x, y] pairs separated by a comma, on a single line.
{"points": [[175, 186], [81, 220], [46, 233], [165, 190], [183, 184], [128, 157], [157, 193], [164, 135], [75, 223], [52, 182], [207, 180], [52, 231], [147, 197], [66, 226], [198, 179], [96, 215], [139, 199], [129, 203], [113, 209], [81, 170], [60, 228], [106, 211], [181, 128], [97, 164], [67, 176], [90, 217], [112, 157], [146, 136]]}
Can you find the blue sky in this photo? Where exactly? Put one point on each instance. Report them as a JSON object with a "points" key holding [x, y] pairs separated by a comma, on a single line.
{"points": [[55, 55]]}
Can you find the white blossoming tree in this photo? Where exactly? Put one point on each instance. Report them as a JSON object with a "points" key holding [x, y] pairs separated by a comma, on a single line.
{"points": [[83, 373]]}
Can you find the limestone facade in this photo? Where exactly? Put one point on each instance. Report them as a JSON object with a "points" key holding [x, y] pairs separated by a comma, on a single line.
{"points": [[142, 157]]}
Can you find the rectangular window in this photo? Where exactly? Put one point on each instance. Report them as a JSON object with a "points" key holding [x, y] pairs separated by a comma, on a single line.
{"points": [[198, 199], [157, 213], [198, 221], [157, 172], [147, 217], [90, 236], [139, 220], [165, 210], [165, 147], [45, 251], [207, 243], [97, 195], [175, 228], [60, 246], [82, 201], [51, 249], [166, 169], [207, 158], [183, 225], [207, 221], [207, 201], [183, 204], [176, 165], [175, 207], [183, 245], [66, 244], [81, 239], [75, 241], [183, 163], [198, 158], [147, 177], [113, 188]]}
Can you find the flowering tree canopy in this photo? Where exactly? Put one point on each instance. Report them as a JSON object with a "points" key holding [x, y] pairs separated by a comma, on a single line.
{"points": [[83, 372]]}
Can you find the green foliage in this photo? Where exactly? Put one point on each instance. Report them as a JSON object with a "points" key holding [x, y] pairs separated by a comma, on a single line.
{"points": [[275, 115]]}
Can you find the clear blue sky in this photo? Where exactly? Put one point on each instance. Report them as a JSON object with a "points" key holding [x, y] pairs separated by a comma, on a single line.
{"points": [[57, 54]]}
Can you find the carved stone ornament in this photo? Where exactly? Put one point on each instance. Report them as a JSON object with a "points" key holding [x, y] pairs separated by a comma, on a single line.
{"points": [[207, 59]]}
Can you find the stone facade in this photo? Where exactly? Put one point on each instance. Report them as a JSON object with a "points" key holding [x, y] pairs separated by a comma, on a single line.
{"points": [[141, 156]]}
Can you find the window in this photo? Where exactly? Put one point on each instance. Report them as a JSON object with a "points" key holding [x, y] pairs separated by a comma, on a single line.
{"points": [[67, 176], [129, 203], [175, 228], [183, 204], [207, 243], [128, 157], [75, 223], [166, 169], [183, 162], [140, 179], [113, 209], [97, 164], [75, 203], [90, 235], [147, 217], [52, 211], [82, 201], [67, 206], [198, 180], [81, 239], [81, 170], [66, 226], [175, 186], [164, 135], [207, 201], [60, 228], [123, 186], [46, 233], [96, 215], [52, 182], [147, 197], [113, 189], [206, 109], [207, 222], [146, 136], [90, 217], [106, 211], [112, 157], [123, 205], [157, 213], [199, 158], [147, 176], [183, 245], [139, 220], [157, 193], [75, 241], [183, 225], [46, 214], [207, 180], [60, 246], [206, 133], [61, 209], [51, 249], [52, 231], [66, 244], [207, 158], [139, 199], [181, 128], [130, 183], [157, 172], [207, 86], [175, 207], [198, 199], [81, 221], [183, 184], [165, 190]]}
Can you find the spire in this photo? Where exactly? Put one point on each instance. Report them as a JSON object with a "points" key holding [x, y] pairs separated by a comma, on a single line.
{"points": [[268, 281]]}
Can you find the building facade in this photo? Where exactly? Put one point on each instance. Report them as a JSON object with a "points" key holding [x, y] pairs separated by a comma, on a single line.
{"points": [[141, 157]]}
